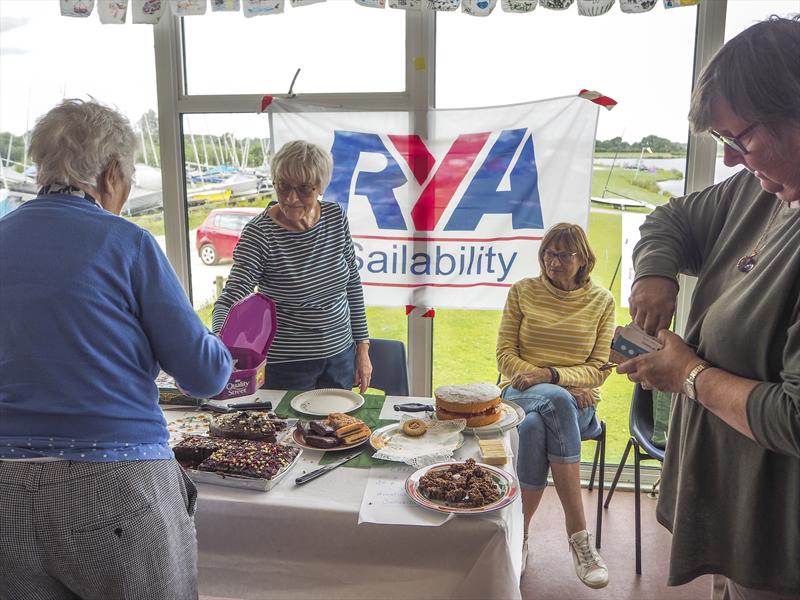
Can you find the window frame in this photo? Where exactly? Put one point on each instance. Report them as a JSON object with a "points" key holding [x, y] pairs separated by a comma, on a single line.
{"points": [[419, 96]]}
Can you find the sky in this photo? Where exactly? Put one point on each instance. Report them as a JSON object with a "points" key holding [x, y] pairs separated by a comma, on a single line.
{"points": [[643, 61]]}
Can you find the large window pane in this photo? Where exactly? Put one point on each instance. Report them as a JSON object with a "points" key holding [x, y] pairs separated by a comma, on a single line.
{"points": [[340, 47], [37, 71], [644, 62]]}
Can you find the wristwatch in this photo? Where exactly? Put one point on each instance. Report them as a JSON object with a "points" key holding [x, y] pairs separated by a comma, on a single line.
{"points": [[688, 385]]}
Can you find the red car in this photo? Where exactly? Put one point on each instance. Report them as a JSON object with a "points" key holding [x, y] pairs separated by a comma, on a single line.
{"points": [[219, 233]]}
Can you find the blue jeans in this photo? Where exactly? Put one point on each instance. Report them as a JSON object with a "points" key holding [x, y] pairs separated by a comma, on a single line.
{"points": [[337, 371], [550, 432]]}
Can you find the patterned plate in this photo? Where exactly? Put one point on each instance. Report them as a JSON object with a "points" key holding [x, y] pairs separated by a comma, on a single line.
{"points": [[298, 441], [509, 491]]}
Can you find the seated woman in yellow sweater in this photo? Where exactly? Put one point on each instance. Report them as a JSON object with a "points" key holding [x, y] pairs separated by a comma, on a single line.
{"points": [[554, 335]]}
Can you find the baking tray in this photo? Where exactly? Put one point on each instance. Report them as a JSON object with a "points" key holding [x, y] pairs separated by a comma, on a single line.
{"points": [[238, 481]]}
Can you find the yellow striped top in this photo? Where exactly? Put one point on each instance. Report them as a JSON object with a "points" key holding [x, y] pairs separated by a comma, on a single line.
{"points": [[543, 326]]}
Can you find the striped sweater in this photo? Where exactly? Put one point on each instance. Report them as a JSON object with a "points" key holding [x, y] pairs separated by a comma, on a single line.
{"points": [[312, 277], [543, 326]]}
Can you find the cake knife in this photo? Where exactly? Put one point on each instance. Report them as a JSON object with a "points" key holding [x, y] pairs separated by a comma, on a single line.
{"points": [[326, 469]]}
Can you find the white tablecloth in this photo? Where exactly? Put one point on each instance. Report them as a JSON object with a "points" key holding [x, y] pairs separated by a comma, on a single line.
{"points": [[305, 542]]}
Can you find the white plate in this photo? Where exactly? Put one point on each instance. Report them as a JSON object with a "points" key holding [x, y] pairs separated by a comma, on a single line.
{"points": [[321, 403], [511, 417]]}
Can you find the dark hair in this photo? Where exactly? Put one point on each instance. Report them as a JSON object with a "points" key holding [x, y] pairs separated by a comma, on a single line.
{"points": [[758, 74], [573, 237]]}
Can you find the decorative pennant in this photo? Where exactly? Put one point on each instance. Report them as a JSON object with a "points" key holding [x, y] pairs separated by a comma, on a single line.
{"points": [[260, 8], [147, 11], [443, 5], [226, 5], [519, 6], [186, 8], [594, 8], [678, 3], [77, 8], [636, 6], [372, 3], [406, 4], [555, 4], [478, 8], [112, 11], [598, 98], [296, 3]]}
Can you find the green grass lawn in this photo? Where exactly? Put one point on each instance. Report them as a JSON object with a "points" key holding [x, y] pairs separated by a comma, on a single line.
{"points": [[464, 340]]}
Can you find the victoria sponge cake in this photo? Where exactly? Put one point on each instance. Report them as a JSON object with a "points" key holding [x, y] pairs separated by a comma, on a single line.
{"points": [[478, 403]]}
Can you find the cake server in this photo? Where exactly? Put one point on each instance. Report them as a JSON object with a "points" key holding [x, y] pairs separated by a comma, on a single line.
{"points": [[326, 469]]}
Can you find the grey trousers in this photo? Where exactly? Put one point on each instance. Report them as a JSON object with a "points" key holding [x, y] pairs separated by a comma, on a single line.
{"points": [[97, 531]]}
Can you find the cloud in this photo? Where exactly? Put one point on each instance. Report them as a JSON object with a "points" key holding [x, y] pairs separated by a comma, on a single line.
{"points": [[9, 23]]}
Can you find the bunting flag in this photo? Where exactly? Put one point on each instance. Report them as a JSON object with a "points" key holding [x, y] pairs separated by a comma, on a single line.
{"points": [[598, 98], [594, 8], [296, 3], [518, 6], [147, 11], [677, 3], [406, 4], [225, 6], [478, 8], [443, 5], [555, 4], [636, 6], [455, 218], [77, 8], [260, 8], [186, 8], [112, 11], [372, 3]]}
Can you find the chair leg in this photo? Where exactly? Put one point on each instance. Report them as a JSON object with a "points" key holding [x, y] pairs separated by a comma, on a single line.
{"points": [[594, 464], [600, 485], [619, 472], [638, 504]]}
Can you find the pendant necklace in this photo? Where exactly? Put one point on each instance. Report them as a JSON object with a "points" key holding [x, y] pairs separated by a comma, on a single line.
{"points": [[747, 262]]}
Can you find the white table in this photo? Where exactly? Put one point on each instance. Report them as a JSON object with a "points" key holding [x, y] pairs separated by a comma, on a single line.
{"points": [[305, 542]]}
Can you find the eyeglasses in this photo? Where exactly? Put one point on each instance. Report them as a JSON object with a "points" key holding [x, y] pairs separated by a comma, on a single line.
{"points": [[562, 257], [303, 191], [733, 141]]}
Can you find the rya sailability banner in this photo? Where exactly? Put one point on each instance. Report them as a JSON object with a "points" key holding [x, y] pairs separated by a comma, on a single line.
{"points": [[448, 209]]}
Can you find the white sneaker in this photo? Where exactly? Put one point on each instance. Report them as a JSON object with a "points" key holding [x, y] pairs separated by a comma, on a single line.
{"points": [[589, 565]]}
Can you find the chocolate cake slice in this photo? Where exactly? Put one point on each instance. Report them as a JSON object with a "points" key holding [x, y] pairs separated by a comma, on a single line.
{"points": [[262, 460], [194, 449], [247, 425]]}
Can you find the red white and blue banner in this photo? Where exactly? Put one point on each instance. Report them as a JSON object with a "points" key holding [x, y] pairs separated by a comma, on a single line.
{"points": [[454, 217]]}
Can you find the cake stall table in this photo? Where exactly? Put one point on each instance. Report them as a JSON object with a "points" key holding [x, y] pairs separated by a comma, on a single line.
{"points": [[305, 541]]}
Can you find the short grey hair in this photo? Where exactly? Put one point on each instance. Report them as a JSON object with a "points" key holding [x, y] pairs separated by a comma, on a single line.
{"points": [[76, 141], [302, 161], [758, 74]]}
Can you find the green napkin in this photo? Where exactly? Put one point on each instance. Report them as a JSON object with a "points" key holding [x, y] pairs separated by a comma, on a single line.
{"points": [[369, 412]]}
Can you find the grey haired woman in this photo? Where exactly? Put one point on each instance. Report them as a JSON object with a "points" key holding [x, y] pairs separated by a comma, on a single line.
{"points": [[731, 479], [92, 502]]}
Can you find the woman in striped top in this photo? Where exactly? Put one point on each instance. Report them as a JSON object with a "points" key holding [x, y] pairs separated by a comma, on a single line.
{"points": [[554, 335], [299, 253]]}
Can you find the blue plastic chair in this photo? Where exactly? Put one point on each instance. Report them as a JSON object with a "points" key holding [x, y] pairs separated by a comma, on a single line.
{"points": [[641, 428], [389, 371]]}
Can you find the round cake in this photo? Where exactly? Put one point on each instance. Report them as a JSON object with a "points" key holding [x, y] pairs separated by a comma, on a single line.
{"points": [[478, 403]]}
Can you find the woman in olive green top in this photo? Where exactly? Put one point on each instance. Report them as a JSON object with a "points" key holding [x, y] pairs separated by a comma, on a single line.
{"points": [[731, 479]]}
